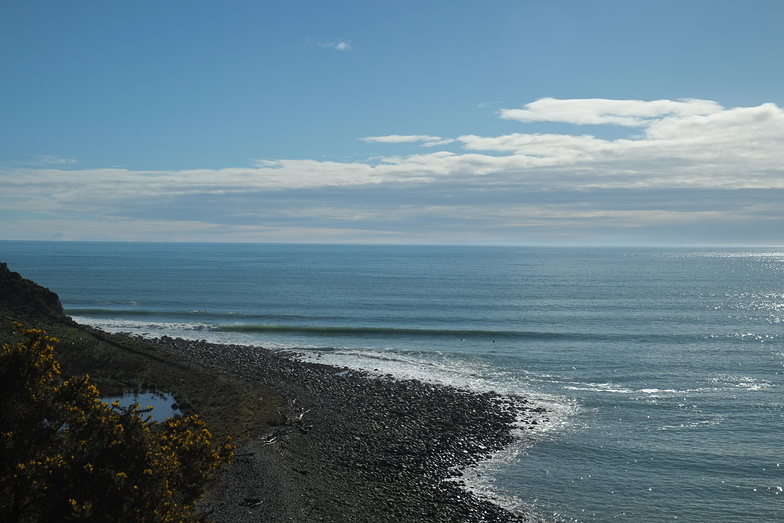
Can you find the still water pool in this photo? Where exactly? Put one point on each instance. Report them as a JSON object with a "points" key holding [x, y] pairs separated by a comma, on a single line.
{"points": [[163, 405]]}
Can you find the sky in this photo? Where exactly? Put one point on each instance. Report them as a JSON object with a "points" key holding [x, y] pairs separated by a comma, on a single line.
{"points": [[527, 122]]}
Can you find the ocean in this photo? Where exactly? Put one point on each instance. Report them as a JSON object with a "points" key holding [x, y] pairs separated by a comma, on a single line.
{"points": [[661, 368]]}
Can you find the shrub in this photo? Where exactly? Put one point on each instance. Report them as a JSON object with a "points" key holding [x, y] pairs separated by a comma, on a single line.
{"points": [[66, 455]]}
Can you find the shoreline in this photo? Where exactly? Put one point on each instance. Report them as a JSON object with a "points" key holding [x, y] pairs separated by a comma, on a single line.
{"points": [[340, 445], [356, 447]]}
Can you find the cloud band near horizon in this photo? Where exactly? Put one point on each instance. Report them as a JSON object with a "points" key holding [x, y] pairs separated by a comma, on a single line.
{"points": [[681, 145]]}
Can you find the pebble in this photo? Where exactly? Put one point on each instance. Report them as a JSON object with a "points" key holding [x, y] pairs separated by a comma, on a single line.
{"points": [[369, 448]]}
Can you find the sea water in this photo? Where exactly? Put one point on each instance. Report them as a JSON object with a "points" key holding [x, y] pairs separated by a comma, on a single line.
{"points": [[661, 369]]}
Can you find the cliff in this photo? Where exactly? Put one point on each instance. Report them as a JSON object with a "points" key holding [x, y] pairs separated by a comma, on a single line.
{"points": [[24, 300]]}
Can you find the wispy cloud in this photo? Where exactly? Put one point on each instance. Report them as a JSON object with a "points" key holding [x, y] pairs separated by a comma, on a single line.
{"points": [[736, 148], [341, 45], [694, 165], [48, 159], [428, 141]]}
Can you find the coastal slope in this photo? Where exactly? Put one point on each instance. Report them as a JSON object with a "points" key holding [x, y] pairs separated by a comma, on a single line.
{"points": [[317, 443]]}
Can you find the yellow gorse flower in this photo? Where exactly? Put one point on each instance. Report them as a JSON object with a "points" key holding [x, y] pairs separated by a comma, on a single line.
{"points": [[92, 450]]}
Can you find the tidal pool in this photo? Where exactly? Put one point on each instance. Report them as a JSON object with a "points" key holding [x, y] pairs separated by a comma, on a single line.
{"points": [[162, 403]]}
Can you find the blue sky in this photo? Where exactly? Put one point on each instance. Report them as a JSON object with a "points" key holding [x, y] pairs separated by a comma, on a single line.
{"points": [[498, 122]]}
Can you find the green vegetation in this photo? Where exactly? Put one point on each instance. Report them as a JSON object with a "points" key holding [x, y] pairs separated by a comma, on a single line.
{"points": [[116, 364], [66, 455]]}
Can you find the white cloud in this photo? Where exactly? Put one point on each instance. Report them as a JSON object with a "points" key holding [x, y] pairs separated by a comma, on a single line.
{"points": [[541, 145], [730, 149], [342, 45], [692, 144], [736, 148], [429, 141], [438, 142], [597, 111], [110, 229], [48, 159]]}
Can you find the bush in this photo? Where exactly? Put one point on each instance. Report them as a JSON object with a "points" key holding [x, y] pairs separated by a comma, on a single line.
{"points": [[66, 455]]}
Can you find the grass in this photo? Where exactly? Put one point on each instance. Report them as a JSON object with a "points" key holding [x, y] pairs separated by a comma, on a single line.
{"points": [[116, 364]]}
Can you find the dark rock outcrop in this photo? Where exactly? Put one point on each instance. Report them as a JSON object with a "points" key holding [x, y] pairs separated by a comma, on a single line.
{"points": [[26, 300]]}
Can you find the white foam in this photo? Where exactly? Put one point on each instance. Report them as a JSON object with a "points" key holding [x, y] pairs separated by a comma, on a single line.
{"points": [[473, 374], [460, 371], [146, 328], [713, 422], [599, 387]]}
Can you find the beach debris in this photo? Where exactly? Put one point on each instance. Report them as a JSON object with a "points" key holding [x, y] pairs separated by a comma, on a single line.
{"points": [[296, 417]]}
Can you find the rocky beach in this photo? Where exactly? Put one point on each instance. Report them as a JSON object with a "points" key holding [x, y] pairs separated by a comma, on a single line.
{"points": [[356, 447], [342, 445]]}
